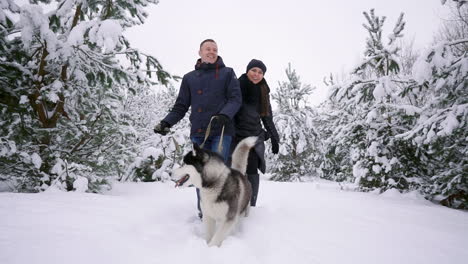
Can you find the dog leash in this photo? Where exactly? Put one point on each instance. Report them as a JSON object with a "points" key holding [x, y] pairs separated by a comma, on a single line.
{"points": [[207, 134]]}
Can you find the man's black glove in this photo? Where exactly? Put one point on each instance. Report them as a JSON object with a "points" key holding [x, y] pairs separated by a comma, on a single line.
{"points": [[274, 146], [221, 120], [162, 128]]}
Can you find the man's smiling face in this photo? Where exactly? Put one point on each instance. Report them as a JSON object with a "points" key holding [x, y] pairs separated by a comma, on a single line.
{"points": [[208, 52]]}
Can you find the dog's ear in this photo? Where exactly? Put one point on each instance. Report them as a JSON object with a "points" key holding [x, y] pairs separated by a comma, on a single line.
{"points": [[196, 149], [199, 153]]}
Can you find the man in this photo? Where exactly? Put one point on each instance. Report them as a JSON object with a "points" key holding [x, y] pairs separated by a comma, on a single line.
{"points": [[211, 90]]}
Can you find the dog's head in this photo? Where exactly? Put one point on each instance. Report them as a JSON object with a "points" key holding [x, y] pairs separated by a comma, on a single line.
{"points": [[198, 157], [199, 163], [186, 176], [190, 173]]}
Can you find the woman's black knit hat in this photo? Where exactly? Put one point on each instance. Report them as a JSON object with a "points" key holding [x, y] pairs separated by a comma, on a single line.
{"points": [[256, 63]]}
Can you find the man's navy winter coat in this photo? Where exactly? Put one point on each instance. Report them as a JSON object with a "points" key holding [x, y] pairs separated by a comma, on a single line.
{"points": [[209, 90]]}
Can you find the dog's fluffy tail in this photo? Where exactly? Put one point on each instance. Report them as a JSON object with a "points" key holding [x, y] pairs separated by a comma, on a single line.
{"points": [[241, 154]]}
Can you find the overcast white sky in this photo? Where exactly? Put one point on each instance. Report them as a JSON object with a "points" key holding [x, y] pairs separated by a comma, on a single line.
{"points": [[317, 37]]}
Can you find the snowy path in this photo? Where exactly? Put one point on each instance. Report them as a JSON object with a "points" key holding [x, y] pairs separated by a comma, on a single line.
{"points": [[294, 223]]}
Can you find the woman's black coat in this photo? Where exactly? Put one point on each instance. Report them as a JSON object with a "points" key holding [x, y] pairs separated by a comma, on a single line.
{"points": [[247, 120]]}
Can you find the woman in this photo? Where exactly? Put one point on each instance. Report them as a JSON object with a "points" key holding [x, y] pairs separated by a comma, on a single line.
{"points": [[255, 107]]}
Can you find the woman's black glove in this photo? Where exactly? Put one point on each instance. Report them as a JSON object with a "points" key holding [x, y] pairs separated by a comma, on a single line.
{"points": [[266, 134], [271, 133], [274, 146]]}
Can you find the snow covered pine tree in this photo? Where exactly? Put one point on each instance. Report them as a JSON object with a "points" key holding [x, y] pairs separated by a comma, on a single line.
{"points": [[371, 117], [299, 152], [404, 130], [62, 86], [440, 130]]}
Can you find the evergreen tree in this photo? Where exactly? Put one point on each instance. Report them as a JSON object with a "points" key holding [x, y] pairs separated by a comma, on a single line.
{"points": [[299, 149], [63, 89], [440, 130], [368, 116], [386, 128]]}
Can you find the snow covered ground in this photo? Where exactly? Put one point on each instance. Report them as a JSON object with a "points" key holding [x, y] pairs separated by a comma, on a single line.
{"points": [[294, 223]]}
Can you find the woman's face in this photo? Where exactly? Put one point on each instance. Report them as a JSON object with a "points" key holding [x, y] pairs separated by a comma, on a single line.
{"points": [[255, 75]]}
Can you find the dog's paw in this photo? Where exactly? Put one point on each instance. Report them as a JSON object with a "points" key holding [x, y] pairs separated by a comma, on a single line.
{"points": [[212, 244]]}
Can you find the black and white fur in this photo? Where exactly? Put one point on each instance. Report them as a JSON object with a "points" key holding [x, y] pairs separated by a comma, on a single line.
{"points": [[224, 192]]}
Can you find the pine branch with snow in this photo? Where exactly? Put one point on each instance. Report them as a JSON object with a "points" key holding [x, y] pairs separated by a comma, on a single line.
{"points": [[379, 59], [154, 155]]}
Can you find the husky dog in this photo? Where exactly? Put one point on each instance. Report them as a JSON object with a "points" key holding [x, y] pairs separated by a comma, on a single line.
{"points": [[224, 192]]}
